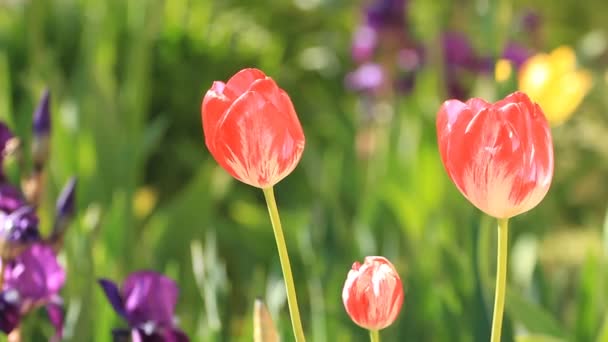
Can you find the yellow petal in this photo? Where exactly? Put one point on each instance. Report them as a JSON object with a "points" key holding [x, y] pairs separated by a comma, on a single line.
{"points": [[554, 83], [503, 70], [563, 59]]}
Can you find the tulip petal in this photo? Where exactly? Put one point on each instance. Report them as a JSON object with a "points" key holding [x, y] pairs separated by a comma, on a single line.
{"points": [[256, 143], [373, 293], [214, 106], [238, 84], [498, 155]]}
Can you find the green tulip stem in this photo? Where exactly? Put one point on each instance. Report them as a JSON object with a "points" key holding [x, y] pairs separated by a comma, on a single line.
{"points": [[292, 301], [374, 335], [501, 279]]}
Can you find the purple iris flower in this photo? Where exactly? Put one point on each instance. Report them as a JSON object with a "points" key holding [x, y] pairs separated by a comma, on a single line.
{"points": [[11, 198], [18, 222], [516, 54], [368, 77], [382, 14], [32, 279], [458, 52], [147, 302], [365, 41], [531, 21]]}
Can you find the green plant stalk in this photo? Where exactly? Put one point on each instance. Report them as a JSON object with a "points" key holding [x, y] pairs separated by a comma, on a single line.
{"points": [[501, 279], [374, 335], [292, 301]]}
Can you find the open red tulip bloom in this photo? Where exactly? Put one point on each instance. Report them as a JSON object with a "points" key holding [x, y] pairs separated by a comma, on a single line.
{"points": [[251, 128], [373, 293], [500, 156]]}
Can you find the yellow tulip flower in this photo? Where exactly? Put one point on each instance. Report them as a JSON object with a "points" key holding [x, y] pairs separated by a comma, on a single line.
{"points": [[554, 82]]}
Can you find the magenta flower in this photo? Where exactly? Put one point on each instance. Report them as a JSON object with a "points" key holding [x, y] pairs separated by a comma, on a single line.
{"points": [[31, 280], [147, 302], [18, 222]]}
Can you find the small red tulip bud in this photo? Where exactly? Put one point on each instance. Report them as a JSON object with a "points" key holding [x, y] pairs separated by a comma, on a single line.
{"points": [[373, 293]]}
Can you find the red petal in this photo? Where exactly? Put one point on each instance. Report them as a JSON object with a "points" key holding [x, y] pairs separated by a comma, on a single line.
{"points": [[214, 105], [256, 142], [242, 81]]}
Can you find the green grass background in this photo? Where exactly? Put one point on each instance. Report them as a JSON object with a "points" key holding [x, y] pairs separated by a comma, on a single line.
{"points": [[127, 79]]}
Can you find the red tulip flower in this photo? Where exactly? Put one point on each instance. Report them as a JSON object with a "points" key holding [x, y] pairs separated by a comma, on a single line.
{"points": [[251, 128], [373, 293], [500, 156]]}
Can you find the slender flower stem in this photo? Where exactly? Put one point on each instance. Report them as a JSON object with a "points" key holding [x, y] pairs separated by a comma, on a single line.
{"points": [[292, 301], [374, 335], [501, 279], [2, 271]]}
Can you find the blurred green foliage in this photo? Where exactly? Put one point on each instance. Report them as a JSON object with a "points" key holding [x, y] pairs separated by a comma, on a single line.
{"points": [[127, 79]]}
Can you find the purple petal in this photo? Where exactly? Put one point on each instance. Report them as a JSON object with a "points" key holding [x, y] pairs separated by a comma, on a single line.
{"points": [[9, 313], [55, 312], [20, 226], [368, 77], [121, 335], [113, 294], [35, 274], [364, 43], [42, 117], [65, 208], [458, 51], [516, 53], [169, 335], [149, 297], [531, 21], [10, 198], [386, 14]]}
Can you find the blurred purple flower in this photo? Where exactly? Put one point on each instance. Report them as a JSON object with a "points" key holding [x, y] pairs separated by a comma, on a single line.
{"points": [[19, 226], [65, 208], [458, 52], [147, 302], [531, 20], [11, 198], [410, 59], [18, 222], [9, 311], [41, 130], [367, 78], [365, 41], [33, 279], [35, 274], [42, 117], [383, 14], [516, 54]]}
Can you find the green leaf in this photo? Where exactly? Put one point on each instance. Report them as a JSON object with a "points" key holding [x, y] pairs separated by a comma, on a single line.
{"points": [[532, 316]]}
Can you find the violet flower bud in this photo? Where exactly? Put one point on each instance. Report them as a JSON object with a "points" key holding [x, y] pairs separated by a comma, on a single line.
{"points": [[64, 209], [41, 129]]}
